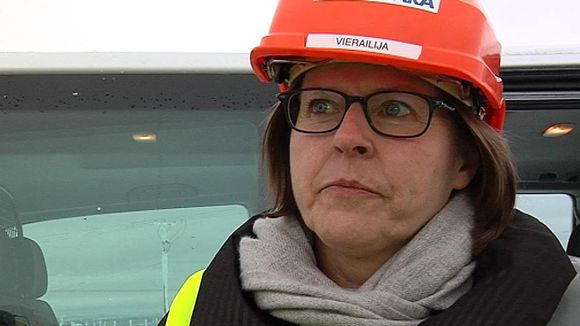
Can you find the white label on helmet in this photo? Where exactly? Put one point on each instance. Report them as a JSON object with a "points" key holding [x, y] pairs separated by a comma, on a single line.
{"points": [[362, 43], [427, 5]]}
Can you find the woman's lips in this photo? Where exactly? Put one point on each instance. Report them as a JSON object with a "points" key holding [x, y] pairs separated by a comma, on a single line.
{"points": [[349, 188]]}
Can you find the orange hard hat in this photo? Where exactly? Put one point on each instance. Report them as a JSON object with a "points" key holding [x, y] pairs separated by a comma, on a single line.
{"points": [[443, 37]]}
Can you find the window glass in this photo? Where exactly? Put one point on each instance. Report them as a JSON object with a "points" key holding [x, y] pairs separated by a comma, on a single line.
{"points": [[115, 267], [554, 210], [115, 188]]}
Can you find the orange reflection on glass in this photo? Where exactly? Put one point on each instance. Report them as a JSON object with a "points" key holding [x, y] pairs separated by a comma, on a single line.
{"points": [[145, 137], [559, 129]]}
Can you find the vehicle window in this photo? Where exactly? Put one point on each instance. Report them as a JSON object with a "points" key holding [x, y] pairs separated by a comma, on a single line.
{"points": [[117, 267], [554, 210], [125, 185]]}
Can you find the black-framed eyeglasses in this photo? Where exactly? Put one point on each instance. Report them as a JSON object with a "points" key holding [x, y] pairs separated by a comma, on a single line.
{"points": [[389, 113]]}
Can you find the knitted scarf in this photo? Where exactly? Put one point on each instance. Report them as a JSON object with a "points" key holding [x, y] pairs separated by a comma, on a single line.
{"points": [[428, 274]]}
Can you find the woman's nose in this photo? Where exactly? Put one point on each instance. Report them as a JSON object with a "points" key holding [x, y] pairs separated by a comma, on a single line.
{"points": [[353, 136]]}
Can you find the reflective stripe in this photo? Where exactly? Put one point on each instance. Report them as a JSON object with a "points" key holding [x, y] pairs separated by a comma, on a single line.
{"points": [[182, 306]]}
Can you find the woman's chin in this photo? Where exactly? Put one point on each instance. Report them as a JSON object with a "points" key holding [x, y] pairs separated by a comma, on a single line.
{"points": [[346, 232]]}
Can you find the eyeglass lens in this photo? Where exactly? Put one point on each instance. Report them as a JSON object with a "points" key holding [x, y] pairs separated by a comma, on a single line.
{"points": [[392, 113]]}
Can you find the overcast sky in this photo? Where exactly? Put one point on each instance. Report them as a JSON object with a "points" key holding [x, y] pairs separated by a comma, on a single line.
{"points": [[226, 25]]}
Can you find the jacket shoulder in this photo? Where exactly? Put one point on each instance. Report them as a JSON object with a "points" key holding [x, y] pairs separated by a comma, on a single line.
{"points": [[520, 278]]}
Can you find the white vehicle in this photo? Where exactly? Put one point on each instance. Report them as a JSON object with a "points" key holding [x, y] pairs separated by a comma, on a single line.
{"points": [[123, 169]]}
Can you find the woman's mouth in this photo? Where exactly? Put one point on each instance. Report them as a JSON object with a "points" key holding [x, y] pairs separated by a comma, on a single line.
{"points": [[350, 187]]}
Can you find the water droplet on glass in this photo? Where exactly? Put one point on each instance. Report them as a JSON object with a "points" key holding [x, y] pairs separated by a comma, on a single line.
{"points": [[99, 209]]}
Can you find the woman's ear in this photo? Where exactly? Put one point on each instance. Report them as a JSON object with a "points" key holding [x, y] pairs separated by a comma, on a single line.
{"points": [[467, 165]]}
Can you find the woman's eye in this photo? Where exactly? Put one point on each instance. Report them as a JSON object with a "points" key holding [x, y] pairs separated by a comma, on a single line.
{"points": [[321, 106], [396, 109]]}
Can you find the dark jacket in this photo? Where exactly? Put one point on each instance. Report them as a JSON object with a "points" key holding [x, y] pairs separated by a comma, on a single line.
{"points": [[519, 280], [574, 243]]}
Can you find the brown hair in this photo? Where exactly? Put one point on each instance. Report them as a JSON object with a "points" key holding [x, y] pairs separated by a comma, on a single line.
{"points": [[493, 188], [495, 184]]}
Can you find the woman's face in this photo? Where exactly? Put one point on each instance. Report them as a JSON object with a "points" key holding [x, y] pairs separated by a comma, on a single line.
{"points": [[363, 193]]}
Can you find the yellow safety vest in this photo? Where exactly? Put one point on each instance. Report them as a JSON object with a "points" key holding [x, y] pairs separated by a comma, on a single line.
{"points": [[181, 309]]}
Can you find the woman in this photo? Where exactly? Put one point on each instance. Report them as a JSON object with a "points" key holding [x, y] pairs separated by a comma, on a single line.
{"points": [[393, 190]]}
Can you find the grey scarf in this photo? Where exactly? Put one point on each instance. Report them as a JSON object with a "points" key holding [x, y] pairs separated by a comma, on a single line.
{"points": [[428, 274]]}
